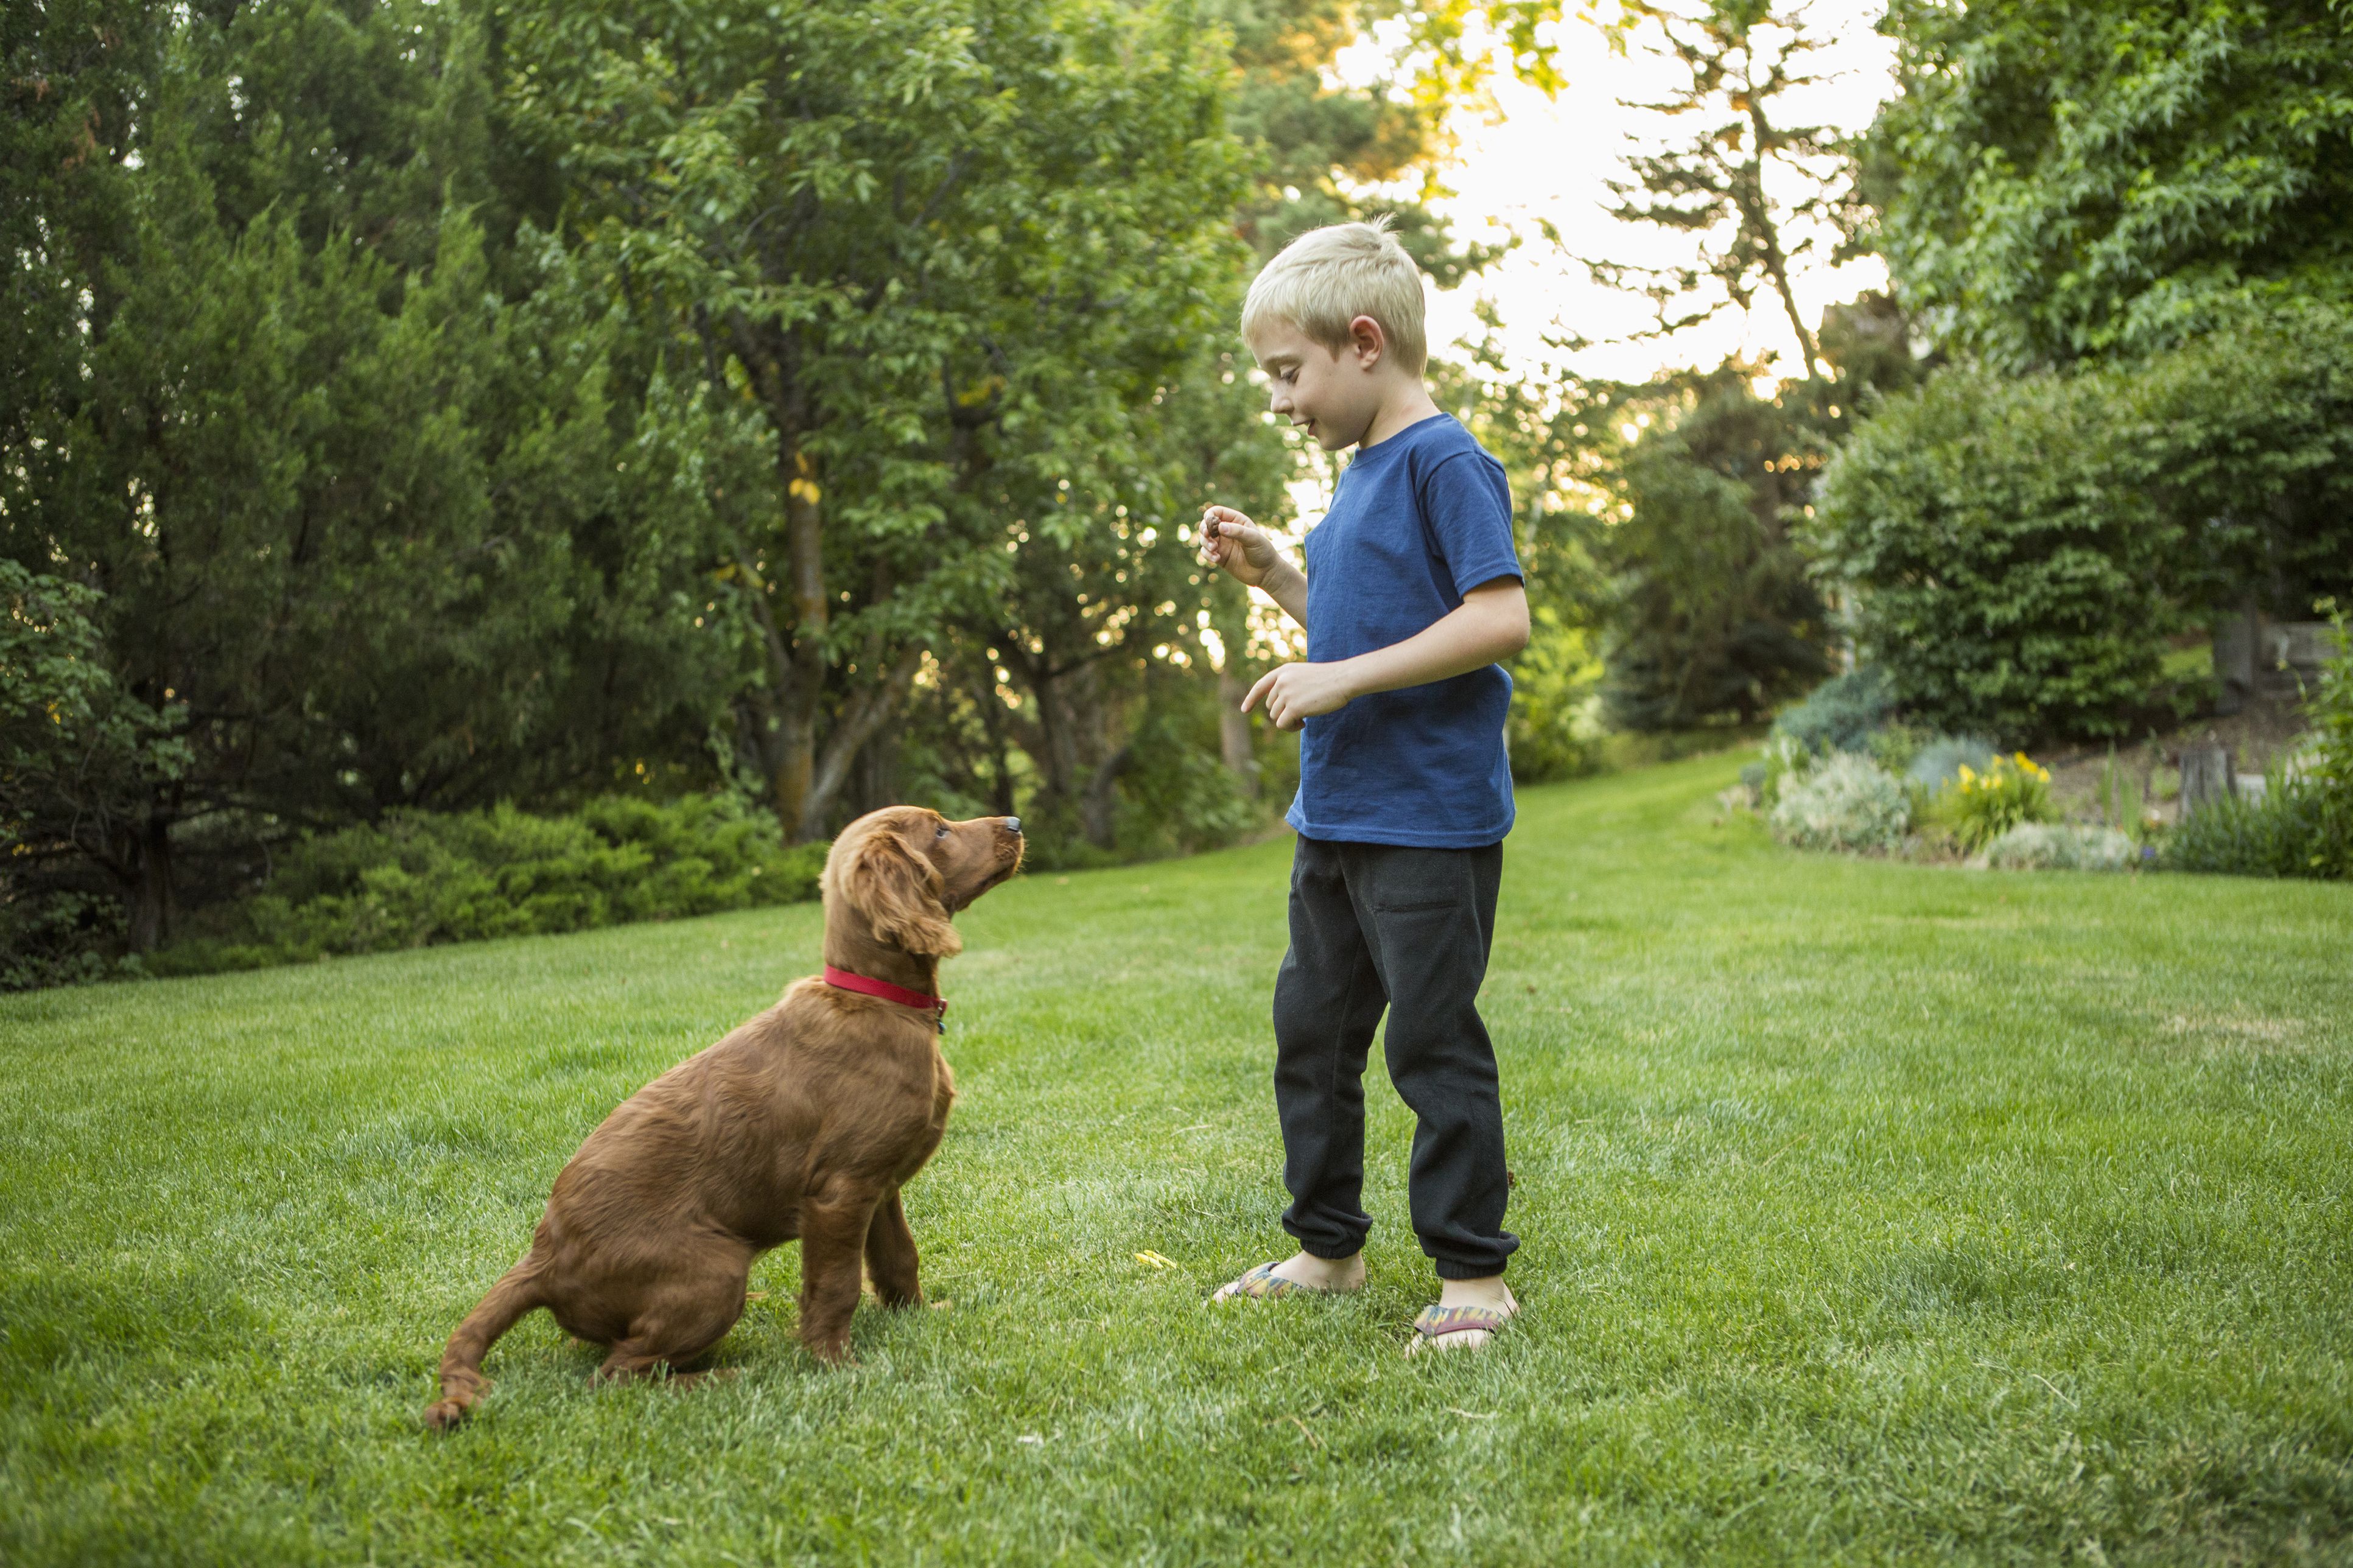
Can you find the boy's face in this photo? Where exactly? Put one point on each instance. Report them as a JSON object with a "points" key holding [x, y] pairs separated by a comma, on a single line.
{"points": [[1334, 397]]}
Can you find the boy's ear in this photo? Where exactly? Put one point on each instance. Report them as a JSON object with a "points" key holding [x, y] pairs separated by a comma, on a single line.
{"points": [[899, 892]]}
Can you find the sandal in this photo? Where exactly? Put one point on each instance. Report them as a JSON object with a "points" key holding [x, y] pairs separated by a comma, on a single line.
{"points": [[1434, 1323], [1263, 1284]]}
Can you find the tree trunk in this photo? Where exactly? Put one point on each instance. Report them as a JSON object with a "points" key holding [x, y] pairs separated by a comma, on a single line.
{"points": [[796, 649], [1234, 748], [148, 896], [1099, 806], [863, 717], [2205, 776]]}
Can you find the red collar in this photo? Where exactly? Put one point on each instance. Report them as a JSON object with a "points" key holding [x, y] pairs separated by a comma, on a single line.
{"points": [[936, 1005]]}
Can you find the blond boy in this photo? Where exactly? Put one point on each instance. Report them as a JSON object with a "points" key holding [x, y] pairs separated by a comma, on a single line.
{"points": [[1410, 593]]}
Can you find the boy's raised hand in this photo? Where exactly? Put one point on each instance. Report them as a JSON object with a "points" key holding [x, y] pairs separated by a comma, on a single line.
{"points": [[1233, 541]]}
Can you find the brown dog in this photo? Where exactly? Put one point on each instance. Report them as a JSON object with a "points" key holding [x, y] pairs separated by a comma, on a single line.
{"points": [[801, 1123]]}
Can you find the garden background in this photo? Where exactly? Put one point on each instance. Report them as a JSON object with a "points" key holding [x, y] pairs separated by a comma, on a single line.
{"points": [[454, 457], [477, 472]]}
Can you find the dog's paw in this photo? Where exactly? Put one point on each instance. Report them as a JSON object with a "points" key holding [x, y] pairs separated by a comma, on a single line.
{"points": [[447, 1415]]}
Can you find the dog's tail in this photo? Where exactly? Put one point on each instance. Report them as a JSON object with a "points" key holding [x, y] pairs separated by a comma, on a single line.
{"points": [[462, 1382]]}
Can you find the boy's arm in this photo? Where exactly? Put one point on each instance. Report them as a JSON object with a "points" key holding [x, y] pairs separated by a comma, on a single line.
{"points": [[1491, 623]]}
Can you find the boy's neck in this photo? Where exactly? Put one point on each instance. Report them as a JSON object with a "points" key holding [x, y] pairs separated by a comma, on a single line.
{"points": [[1409, 406]]}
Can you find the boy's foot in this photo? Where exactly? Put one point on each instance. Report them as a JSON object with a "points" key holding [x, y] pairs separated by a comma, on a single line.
{"points": [[1302, 1275], [1467, 1313]]}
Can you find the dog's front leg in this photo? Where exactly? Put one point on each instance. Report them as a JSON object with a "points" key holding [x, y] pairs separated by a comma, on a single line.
{"points": [[833, 1248], [891, 1260]]}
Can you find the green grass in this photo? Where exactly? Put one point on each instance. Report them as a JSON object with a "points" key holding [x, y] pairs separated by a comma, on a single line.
{"points": [[1872, 1212]]}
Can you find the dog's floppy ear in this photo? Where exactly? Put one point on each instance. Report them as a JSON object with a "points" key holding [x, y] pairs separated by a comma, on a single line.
{"points": [[899, 892]]}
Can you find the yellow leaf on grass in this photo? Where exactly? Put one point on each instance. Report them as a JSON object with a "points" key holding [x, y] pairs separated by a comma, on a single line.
{"points": [[1155, 1259]]}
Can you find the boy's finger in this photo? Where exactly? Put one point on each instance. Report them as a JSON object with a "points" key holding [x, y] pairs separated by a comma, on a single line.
{"points": [[1258, 690]]}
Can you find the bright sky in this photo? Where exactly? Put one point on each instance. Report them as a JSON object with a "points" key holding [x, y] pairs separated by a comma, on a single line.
{"points": [[1550, 159]]}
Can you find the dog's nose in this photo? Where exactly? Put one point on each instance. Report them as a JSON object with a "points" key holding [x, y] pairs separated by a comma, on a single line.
{"points": [[1012, 824]]}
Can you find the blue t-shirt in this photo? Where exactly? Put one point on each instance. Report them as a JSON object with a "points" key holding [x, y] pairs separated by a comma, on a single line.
{"points": [[1418, 520]]}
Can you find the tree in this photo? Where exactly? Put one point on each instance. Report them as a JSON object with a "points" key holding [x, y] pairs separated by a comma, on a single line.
{"points": [[933, 246], [1738, 57], [80, 761], [2063, 182], [340, 497]]}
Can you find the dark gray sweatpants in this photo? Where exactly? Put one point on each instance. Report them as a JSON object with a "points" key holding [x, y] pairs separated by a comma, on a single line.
{"points": [[1374, 926]]}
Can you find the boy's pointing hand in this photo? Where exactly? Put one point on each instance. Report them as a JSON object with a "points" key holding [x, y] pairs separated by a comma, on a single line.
{"points": [[1295, 693]]}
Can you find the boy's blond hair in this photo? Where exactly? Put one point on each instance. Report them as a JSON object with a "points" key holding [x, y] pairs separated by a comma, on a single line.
{"points": [[1328, 277]]}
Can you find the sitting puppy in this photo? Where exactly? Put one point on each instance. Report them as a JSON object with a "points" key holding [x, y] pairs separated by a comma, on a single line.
{"points": [[804, 1122]]}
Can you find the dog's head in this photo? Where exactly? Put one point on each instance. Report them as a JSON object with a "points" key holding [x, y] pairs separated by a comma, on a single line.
{"points": [[903, 870]]}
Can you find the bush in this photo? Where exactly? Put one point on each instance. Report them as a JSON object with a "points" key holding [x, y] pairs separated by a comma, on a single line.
{"points": [[2057, 846], [2302, 825], [1551, 732], [1996, 572], [2285, 833], [2015, 550], [1979, 807], [1939, 763], [419, 878], [1841, 713], [1847, 802], [2328, 767]]}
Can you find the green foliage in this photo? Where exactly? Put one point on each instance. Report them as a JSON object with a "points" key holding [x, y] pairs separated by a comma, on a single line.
{"points": [[2327, 764], [1993, 576], [2302, 825], [1714, 612], [419, 878], [471, 403], [1978, 807], [2060, 847], [81, 759], [2109, 177], [1550, 731], [372, 506], [1842, 715], [1842, 801], [2015, 548], [2244, 440], [2293, 830], [1938, 761]]}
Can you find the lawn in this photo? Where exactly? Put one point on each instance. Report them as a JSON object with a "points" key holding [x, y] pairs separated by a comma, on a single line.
{"points": [[1870, 1212]]}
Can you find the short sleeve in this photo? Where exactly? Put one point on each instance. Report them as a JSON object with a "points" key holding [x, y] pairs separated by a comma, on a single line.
{"points": [[1467, 502]]}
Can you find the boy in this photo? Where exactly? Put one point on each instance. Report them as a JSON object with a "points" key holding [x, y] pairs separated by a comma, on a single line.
{"points": [[1410, 595]]}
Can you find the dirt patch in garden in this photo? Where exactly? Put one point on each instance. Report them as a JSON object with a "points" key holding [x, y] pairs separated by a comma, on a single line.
{"points": [[2083, 780]]}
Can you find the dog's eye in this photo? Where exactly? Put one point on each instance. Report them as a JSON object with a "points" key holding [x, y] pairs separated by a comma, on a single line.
{"points": [[943, 833]]}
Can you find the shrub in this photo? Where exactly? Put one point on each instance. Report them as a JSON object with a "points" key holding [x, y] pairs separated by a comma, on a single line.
{"points": [[1848, 802], [1551, 731], [1939, 762], [1841, 713], [2328, 768], [1979, 807], [2058, 846], [2015, 550], [420, 878], [2284, 833], [1999, 580], [2302, 825]]}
